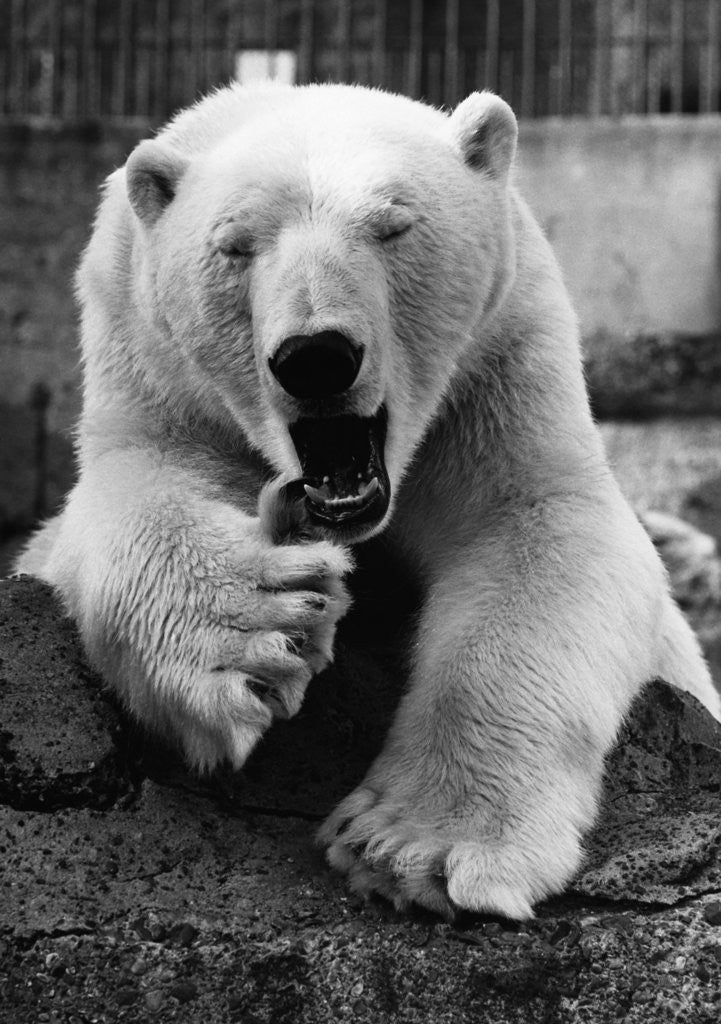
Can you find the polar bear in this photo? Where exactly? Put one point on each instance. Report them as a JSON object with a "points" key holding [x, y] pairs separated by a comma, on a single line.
{"points": [[310, 315]]}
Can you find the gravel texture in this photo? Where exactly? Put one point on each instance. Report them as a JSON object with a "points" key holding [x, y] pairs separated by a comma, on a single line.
{"points": [[131, 891]]}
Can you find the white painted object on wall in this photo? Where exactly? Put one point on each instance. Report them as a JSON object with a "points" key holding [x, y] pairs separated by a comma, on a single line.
{"points": [[266, 65]]}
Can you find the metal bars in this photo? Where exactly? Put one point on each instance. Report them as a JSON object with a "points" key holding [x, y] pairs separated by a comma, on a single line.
{"points": [[452, 54], [93, 59], [564, 79], [676, 43], [415, 54], [528, 59], [710, 94]]}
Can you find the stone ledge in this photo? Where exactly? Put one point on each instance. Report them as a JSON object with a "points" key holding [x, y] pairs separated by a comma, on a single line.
{"points": [[653, 375], [208, 900], [58, 733]]}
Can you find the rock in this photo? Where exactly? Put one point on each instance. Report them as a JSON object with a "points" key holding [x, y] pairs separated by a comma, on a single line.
{"points": [[154, 999], [712, 913], [675, 466], [210, 898], [659, 831], [183, 991], [691, 558], [126, 996], [184, 934], [653, 375], [58, 730]]}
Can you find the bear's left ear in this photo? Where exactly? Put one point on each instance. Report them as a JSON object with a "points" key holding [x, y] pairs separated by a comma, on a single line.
{"points": [[152, 174], [486, 130]]}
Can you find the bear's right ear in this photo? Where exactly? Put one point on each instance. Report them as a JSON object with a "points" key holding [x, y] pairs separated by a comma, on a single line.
{"points": [[486, 130], [152, 173]]}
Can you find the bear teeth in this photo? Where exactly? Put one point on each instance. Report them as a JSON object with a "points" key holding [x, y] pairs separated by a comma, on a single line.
{"points": [[364, 495]]}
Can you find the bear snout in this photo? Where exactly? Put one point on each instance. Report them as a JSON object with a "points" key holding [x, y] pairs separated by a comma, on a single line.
{"points": [[317, 365]]}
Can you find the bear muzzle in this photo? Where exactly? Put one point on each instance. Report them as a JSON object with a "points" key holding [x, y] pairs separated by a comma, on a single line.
{"points": [[316, 366]]}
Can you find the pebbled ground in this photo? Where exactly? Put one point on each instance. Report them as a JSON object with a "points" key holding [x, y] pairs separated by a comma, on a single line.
{"points": [[130, 891]]}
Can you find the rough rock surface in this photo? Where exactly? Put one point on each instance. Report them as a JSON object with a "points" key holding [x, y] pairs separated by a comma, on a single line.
{"points": [[130, 891], [58, 736]]}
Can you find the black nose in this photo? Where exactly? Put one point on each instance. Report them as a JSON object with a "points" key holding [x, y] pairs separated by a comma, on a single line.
{"points": [[316, 365]]}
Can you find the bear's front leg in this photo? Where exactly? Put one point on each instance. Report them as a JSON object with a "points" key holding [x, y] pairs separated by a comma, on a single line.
{"points": [[528, 653], [206, 626]]}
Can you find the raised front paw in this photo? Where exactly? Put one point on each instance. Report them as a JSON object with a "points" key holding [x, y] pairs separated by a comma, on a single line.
{"points": [[421, 847], [256, 624]]}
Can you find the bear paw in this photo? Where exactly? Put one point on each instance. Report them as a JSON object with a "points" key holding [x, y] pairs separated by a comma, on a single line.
{"points": [[445, 862], [240, 651]]}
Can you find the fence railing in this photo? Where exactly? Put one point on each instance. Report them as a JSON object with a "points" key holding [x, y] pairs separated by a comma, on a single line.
{"points": [[85, 59]]}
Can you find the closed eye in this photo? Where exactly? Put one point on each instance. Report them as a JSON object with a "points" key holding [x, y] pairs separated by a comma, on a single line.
{"points": [[392, 222], [387, 233], [235, 243], [237, 251]]}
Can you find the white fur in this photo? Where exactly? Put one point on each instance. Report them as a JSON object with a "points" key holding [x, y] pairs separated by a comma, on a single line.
{"points": [[546, 607]]}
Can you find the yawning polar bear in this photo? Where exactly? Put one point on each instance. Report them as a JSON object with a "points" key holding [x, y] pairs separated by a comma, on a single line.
{"points": [[311, 315]]}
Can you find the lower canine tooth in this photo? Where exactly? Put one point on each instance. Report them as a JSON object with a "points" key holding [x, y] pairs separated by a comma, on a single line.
{"points": [[369, 489], [316, 495]]}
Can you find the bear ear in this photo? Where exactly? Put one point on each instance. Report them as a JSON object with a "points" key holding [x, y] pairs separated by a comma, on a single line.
{"points": [[152, 174], [486, 130]]}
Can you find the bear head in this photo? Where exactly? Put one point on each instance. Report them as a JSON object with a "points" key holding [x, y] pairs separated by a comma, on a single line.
{"points": [[321, 262]]}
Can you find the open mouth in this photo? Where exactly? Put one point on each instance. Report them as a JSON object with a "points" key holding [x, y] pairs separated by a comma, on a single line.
{"points": [[344, 475]]}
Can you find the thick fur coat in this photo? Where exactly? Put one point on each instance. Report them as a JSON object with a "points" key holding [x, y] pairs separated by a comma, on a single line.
{"points": [[287, 276]]}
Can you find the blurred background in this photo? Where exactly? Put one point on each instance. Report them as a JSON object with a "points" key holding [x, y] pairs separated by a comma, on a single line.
{"points": [[145, 58], [620, 158]]}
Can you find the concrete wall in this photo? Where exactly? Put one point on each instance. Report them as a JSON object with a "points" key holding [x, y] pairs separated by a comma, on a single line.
{"points": [[632, 209], [49, 182]]}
